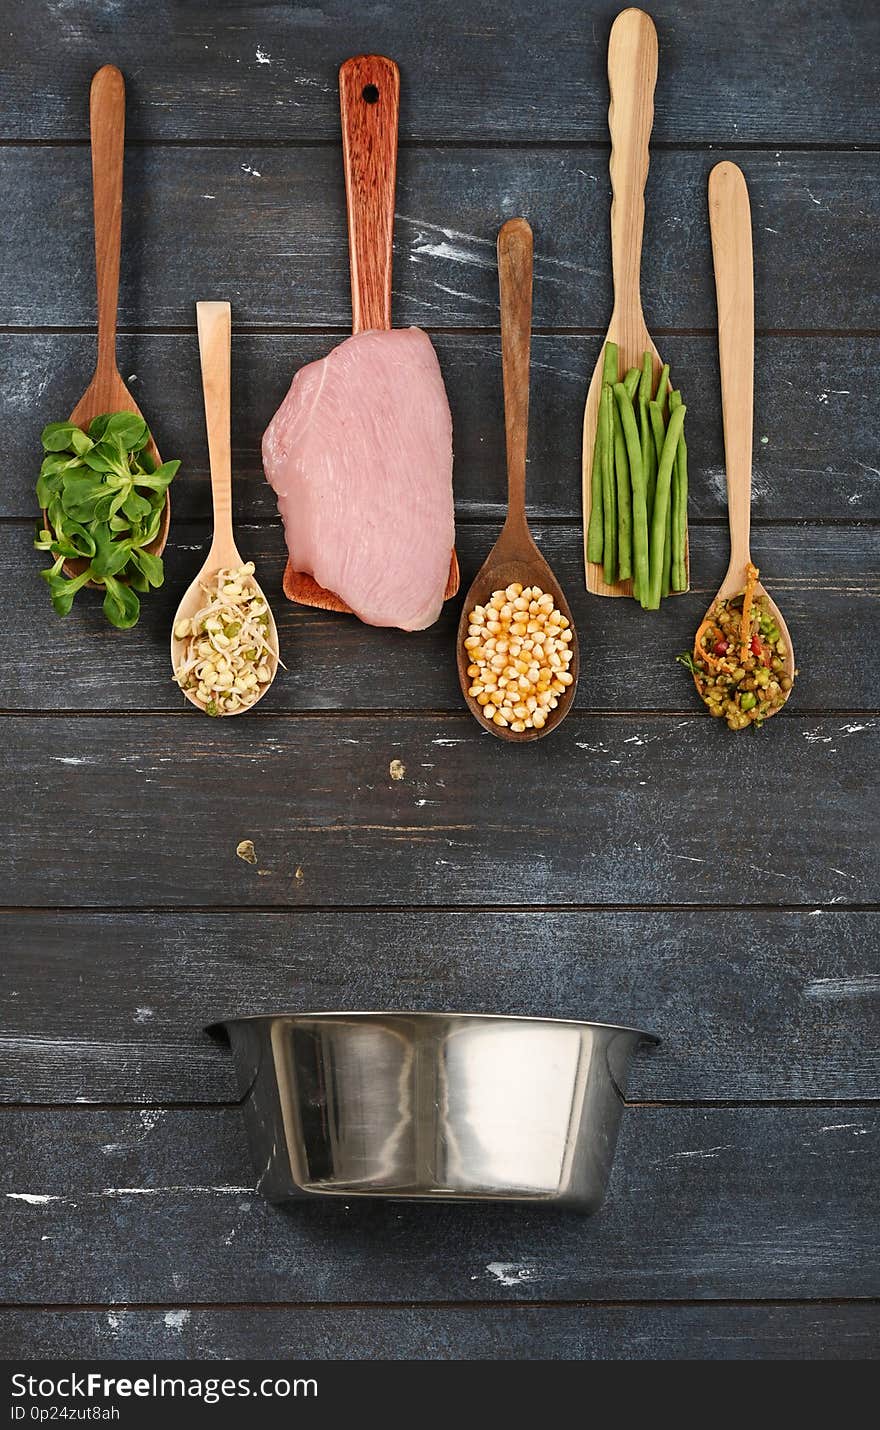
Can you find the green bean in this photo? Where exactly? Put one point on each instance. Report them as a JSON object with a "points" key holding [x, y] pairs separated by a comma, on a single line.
{"points": [[663, 386], [646, 378], [631, 382], [649, 455], [678, 573], [609, 491], [610, 364], [658, 427], [624, 502], [594, 530], [637, 482], [660, 516]]}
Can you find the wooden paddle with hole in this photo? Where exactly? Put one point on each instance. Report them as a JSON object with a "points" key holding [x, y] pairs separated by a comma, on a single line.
{"points": [[632, 75], [107, 392], [369, 101]]}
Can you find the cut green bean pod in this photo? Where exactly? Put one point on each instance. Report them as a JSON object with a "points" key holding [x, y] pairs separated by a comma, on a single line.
{"points": [[637, 482], [609, 489], [660, 516], [624, 501]]}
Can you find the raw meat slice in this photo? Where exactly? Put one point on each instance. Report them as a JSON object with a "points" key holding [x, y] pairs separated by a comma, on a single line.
{"points": [[360, 457]]}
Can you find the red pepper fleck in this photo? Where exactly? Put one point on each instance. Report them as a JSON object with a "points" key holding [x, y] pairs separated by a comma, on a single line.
{"points": [[756, 645], [721, 647]]}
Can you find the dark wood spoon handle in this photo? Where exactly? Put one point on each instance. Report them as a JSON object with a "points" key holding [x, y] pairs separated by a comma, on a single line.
{"points": [[515, 285], [107, 123], [369, 101]]}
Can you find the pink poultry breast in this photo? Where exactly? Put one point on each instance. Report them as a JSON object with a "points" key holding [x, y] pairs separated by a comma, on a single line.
{"points": [[360, 457]]}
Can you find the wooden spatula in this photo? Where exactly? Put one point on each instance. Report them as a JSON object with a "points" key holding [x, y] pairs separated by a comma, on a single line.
{"points": [[107, 392], [369, 101], [632, 75]]}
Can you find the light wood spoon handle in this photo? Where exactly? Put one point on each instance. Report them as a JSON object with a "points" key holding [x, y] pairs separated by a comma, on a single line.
{"points": [[731, 226], [515, 287], [632, 75], [369, 101], [215, 351], [107, 124]]}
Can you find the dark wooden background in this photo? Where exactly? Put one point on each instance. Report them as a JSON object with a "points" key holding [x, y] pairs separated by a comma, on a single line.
{"points": [[643, 864]]}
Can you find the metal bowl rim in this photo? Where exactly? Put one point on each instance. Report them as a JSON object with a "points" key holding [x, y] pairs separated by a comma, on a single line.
{"points": [[428, 1014]]}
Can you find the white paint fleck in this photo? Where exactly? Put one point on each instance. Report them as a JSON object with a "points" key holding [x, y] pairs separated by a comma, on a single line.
{"points": [[855, 1127], [815, 737], [144, 1015], [114, 1323], [509, 1273], [209, 196], [176, 1320], [443, 741], [166, 1191], [707, 1152], [34, 1199], [247, 169], [813, 199], [69, 759], [860, 986], [262, 57]]}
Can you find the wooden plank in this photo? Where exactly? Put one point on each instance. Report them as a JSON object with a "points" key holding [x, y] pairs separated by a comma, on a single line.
{"points": [[610, 810], [751, 1203], [756, 73], [848, 1331], [825, 578], [750, 1005], [813, 438], [265, 227]]}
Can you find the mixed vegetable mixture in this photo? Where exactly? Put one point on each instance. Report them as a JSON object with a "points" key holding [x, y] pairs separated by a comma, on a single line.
{"points": [[740, 659], [102, 497], [227, 662], [638, 493]]}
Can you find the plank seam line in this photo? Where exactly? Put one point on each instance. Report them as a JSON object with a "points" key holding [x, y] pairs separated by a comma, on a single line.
{"points": [[476, 1305], [331, 330], [422, 715], [599, 145], [494, 512], [720, 1104], [384, 910]]}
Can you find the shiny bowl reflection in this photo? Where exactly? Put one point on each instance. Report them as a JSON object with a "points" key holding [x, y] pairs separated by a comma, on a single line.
{"points": [[438, 1106]]}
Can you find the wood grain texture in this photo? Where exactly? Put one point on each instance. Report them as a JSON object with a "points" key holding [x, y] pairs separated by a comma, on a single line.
{"points": [[752, 1203], [332, 826], [266, 227], [244, 70], [802, 467], [750, 1005], [827, 578], [848, 1331], [369, 102]]}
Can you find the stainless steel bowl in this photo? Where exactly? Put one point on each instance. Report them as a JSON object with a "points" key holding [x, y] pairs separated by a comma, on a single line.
{"points": [[436, 1106]]}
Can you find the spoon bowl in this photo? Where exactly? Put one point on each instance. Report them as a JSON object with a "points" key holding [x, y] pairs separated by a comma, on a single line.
{"points": [[515, 559], [107, 392], [731, 226], [215, 349]]}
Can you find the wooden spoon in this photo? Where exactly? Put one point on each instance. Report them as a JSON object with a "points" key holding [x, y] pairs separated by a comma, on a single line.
{"points": [[731, 225], [215, 350], [369, 102], [515, 557], [107, 392], [632, 75]]}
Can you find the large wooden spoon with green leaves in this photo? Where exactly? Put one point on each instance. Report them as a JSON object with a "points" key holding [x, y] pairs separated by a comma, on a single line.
{"points": [[107, 392]]}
